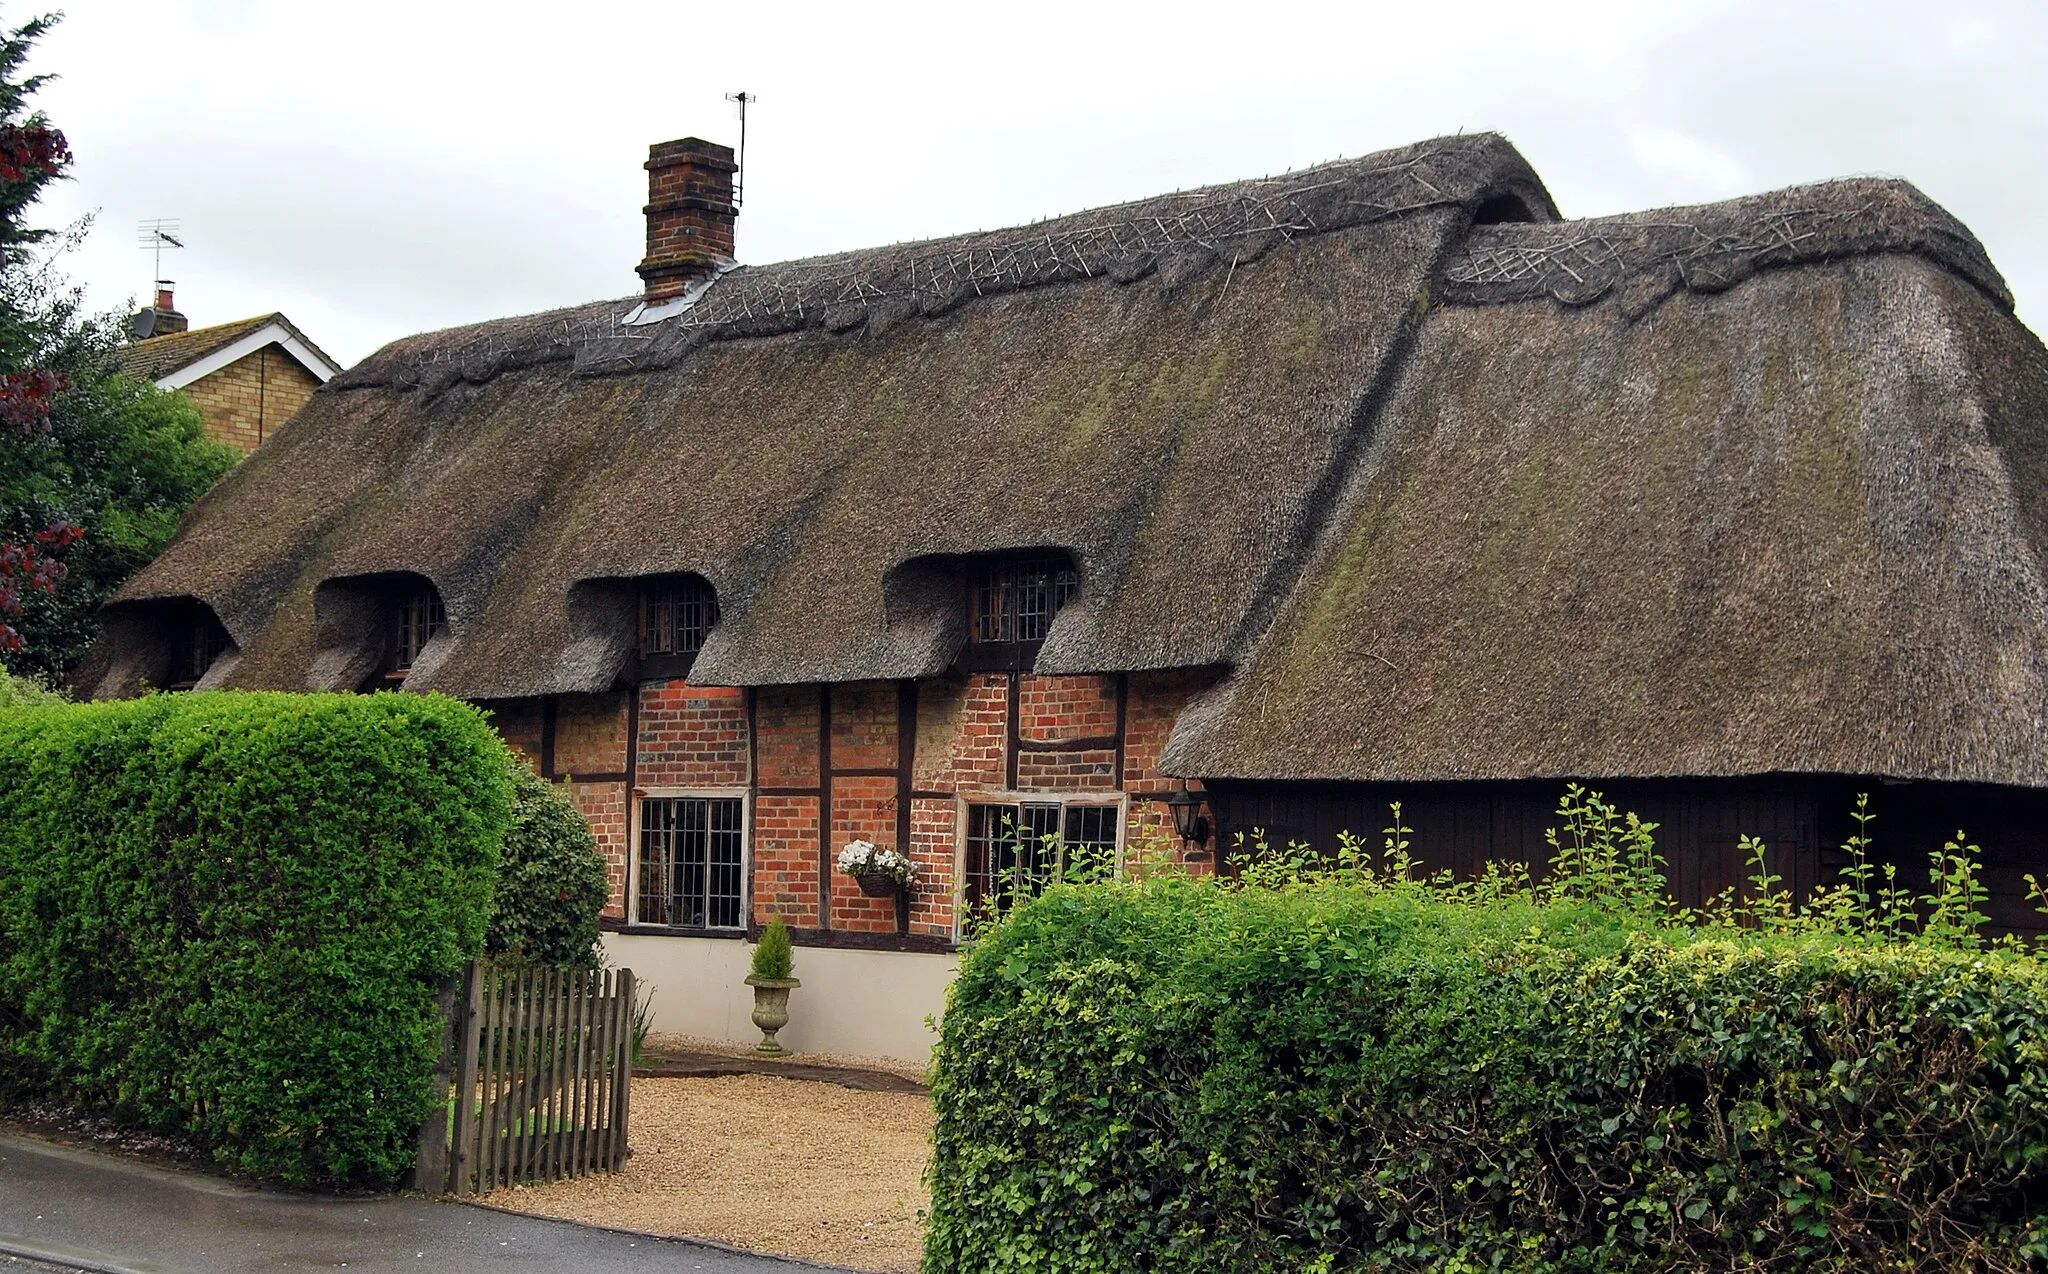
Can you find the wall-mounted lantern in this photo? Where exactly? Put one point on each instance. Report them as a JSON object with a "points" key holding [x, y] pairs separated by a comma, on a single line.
{"points": [[1188, 821]]}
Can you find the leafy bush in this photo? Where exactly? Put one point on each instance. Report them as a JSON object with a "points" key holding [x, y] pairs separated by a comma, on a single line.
{"points": [[19, 690], [1353, 1069], [774, 958], [224, 916], [552, 883]]}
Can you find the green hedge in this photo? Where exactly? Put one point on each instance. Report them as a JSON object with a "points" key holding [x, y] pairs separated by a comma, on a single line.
{"points": [[1176, 1075], [224, 915], [552, 882]]}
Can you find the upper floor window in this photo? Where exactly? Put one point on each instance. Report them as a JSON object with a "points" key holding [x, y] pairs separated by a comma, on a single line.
{"points": [[676, 614], [198, 640], [1014, 599], [417, 619]]}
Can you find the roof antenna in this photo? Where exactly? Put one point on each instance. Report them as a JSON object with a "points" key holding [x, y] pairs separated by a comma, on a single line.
{"points": [[739, 179], [156, 235]]}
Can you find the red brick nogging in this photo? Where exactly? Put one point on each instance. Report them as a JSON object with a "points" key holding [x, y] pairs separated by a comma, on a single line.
{"points": [[863, 809], [786, 860], [697, 738], [786, 729], [604, 808], [692, 736]]}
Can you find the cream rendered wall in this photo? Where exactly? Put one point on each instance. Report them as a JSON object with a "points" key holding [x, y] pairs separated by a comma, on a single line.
{"points": [[854, 1003]]}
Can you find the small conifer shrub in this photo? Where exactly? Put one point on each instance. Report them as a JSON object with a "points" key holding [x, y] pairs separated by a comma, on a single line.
{"points": [[773, 958]]}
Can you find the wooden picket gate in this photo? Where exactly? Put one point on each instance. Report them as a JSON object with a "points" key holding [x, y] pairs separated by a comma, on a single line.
{"points": [[538, 1066]]}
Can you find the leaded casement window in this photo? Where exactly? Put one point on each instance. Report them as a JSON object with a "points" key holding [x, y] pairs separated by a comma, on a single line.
{"points": [[1016, 850], [199, 644], [676, 614], [692, 862], [417, 618], [1015, 599]]}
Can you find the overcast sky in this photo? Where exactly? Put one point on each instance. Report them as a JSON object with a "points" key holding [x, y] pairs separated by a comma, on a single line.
{"points": [[378, 168]]}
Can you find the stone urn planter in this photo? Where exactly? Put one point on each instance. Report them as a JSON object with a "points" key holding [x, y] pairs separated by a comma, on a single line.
{"points": [[771, 1011]]}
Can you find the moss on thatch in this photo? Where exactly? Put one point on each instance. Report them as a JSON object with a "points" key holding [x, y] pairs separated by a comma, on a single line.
{"points": [[1790, 526], [796, 458], [1750, 487]]}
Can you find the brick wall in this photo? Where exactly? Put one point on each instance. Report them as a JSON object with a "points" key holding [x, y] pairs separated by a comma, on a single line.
{"points": [[604, 807], [692, 736], [863, 808], [864, 726], [590, 733], [244, 402], [698, 737], [786, 735], [786, 859], [518, 722], [932, 849], [962, 733], [1155, 701]]}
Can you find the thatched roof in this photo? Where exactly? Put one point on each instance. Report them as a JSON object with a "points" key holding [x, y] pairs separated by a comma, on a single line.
{"points": [[1712, 491], [1744, 488], [1162, 389]]}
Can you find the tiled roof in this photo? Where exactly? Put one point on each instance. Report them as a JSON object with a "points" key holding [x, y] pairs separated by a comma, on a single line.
{"points": [[161, 356]]}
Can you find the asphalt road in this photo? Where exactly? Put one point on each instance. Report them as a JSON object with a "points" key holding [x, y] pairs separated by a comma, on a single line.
{"points": [[75, 1209]]}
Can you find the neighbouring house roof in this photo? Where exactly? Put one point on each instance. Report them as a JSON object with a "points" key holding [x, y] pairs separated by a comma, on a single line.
{"points": [[181, 358], [1457, 489]]}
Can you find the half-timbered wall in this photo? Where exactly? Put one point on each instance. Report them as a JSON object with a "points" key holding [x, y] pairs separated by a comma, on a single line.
{"points": [[894, 763]]}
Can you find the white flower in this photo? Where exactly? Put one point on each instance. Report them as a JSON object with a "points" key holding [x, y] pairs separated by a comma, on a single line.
{"points": [[860, 858]]}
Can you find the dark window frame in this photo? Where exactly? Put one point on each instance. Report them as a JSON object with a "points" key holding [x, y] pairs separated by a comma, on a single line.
{"points": [[676, 616], [202, 640], [1012, 602], [1005, 847], [417, 617], [691, 862]]}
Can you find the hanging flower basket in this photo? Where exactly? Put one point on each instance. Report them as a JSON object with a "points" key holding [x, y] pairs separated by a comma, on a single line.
{"points": [[881, 873], [875, 885]]}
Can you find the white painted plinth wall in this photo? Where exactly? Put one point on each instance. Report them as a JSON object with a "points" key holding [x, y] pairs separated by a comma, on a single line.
{"points": [[856, 1003]]}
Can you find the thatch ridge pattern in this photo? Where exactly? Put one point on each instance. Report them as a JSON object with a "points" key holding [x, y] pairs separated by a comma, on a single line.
{"points": [[1646, 256], [1217, 227]]}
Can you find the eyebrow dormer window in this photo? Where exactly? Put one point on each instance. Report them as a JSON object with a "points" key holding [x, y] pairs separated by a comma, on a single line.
{"points": [[677, 613], [417, 619], [200, 642], [1015, 599], [1011, 603]]}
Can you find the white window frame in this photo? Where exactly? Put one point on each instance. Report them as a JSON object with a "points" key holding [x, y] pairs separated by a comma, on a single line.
{"points": [[635, 797], [1118, 800]]}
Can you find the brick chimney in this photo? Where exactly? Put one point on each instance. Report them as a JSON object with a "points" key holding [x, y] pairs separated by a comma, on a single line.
{"points": [[690, 214], [161, 319]]}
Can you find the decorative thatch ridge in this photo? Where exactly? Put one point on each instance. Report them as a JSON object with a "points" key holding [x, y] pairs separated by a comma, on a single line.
{"points": [[1215, 227], [1710, 248]]}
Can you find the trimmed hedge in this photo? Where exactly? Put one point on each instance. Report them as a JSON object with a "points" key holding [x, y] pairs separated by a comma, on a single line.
{"points": [[552, 882], [224, 915], [1175, 1075]]}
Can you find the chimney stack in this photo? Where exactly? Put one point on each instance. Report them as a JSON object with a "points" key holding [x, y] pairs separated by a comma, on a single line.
{"points": [[690, 214], [161, 319]]}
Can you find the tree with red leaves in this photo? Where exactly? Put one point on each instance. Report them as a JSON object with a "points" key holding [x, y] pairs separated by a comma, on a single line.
{"points": [[32, 154], [95, 468]]}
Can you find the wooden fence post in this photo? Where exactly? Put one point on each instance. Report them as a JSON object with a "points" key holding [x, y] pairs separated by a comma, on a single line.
{"points": [[622, 1086], [430, 1168], [462, 1162]]}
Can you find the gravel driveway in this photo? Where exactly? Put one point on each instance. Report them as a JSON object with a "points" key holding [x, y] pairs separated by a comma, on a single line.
{"points": [[789, 1167]]}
